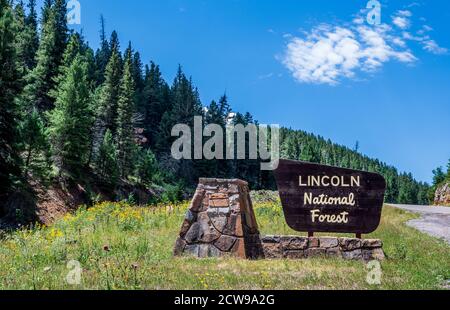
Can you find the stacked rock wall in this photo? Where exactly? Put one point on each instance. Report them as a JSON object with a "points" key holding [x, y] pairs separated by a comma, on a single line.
{"points": [[220, 221], [293, 247]]}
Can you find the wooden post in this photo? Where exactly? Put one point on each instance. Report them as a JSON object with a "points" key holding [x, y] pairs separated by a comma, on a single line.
{"points": [[358, 236], [310, 234]]}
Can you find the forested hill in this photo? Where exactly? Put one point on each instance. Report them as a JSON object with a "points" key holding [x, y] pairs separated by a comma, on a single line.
{"points": [[102, 120], [401, 187]]}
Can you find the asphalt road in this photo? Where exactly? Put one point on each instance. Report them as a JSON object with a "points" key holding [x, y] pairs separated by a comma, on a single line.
{"points": [[434, 221]]}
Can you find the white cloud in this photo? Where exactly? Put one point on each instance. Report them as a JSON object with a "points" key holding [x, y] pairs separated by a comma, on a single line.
{"points": [[399, 42], [401, 19], [432, 47], [405, 13], [414, 4], [265, 76], [401, 22], [328, 53]]}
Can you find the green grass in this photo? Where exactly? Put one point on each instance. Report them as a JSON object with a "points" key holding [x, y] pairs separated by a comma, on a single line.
{"points": [[121, 247]]}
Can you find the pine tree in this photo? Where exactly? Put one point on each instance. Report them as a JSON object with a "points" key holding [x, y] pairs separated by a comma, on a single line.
{"points": [[224, 107], [422, 195], [185, 104], [186, 101], [137, 71], [33, 38], [114, 45], [125, 128], [164, 135], [70, 121], [108, 101], [9, 75], [213, 114], [21, 37], [146, 167], [46, 11], [89, 56], [392, 186], [77, 46], [448, 170], [27, 41], [438, 176], [41, 80], [291, 148], [34, 144], [34, 141], [406, 193], [138, 79], [74, 48], [308, 154], [211, 168], [102, 54], [106, 166], [155, 103], [60, 11]]}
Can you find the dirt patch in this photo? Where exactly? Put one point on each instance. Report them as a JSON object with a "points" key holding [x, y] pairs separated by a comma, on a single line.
{"points": [[56, 201], [43, 203]]}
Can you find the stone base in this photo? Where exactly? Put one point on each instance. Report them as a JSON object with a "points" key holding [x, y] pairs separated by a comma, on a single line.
{"points": [[293, 247], [220, 222]]}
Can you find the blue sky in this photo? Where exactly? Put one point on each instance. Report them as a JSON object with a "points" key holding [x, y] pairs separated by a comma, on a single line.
{"points": [[386, 86]]}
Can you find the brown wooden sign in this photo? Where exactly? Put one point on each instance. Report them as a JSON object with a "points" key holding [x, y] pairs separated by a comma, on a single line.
{"points": [[319, 198]]}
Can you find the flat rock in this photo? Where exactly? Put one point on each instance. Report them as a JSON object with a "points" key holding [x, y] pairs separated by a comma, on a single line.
{"points": [[348, 244], [329, 243], [180, 245], [294, 254], [294, 243], [315, 252], [272, 250], [225, 243], [353, 255], [372, 243]]}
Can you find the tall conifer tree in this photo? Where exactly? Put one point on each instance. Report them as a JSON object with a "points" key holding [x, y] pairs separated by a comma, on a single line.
{"points": [[33, 43], [70, 121], [9, 75], [60, 11], [27, 41], [106, 166], [21, 37], [102, 55], [125, 128], [41, 80], [46, 11], [156, 101], [110, 89]]}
